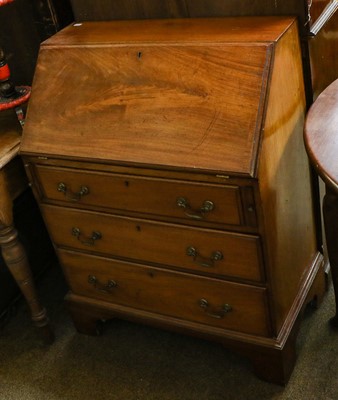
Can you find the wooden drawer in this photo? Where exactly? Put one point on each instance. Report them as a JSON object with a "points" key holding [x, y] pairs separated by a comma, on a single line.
{"points": [[195, 298], [239, 255], [219, 204]]}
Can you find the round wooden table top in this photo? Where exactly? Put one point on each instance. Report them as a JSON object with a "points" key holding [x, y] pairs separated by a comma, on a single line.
{"points": [[321, 135]]}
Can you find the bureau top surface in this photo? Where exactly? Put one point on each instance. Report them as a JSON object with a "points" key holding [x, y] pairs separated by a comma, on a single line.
{"points": [[237, 29], [167, 93]]}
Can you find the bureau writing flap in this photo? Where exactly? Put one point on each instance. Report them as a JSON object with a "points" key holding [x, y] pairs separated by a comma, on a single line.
{"points": [[178, 100]]}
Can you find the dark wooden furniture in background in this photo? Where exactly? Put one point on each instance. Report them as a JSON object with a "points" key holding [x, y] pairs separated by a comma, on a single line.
{"points": [[323, 46], [321, 140], [165, 178], [24, 25]]}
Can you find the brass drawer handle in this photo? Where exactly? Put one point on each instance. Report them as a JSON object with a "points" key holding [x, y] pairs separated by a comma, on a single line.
{"points": [[203, 261], [220, 314], [74, 196], [89, 241], [207, 206], [105, 288]]}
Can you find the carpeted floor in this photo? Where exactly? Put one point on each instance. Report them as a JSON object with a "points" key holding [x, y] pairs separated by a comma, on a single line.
{"points": [[134, 362]]}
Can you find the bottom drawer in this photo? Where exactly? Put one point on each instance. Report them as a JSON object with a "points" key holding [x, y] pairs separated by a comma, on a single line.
{"points": [[209, 301]]}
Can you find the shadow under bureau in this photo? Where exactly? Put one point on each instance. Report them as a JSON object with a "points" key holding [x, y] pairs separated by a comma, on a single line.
{"points": [[170, 171]]}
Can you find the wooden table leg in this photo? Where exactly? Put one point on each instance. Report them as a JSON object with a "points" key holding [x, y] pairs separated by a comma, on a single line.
{"points": [[330, 213], [15, 258]]}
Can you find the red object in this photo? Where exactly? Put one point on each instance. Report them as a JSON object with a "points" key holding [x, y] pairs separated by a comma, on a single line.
{"points": [[4, 72], [23, 94], [3, 2]]}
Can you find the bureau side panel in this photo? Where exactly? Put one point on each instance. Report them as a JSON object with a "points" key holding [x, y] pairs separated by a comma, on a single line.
{"points": [[285, 184]]}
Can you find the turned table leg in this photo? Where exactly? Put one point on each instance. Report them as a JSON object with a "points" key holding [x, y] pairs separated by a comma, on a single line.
{"points": [[330, 213], [15, 258]]}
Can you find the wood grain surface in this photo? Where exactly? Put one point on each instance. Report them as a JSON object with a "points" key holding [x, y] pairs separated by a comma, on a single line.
{"points": [[321, 134], [181, 105]]}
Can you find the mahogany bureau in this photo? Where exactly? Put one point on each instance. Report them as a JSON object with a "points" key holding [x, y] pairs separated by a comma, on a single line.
{"points": [[170, 171]]}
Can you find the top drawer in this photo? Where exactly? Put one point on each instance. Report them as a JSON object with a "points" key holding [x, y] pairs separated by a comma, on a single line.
{"points": [[219, 204]]}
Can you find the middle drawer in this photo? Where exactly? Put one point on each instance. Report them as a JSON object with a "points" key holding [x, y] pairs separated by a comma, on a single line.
{"points": [[211, 252]]}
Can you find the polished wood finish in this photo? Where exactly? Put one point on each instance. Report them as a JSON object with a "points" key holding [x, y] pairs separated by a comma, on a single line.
{"points": [[198, 30], [320, 58], [320, 134], [151, 289], [158, 110], [165, 96], [283, 162], [321, 143], [12, 250], [135, 193], [131, 238]]}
